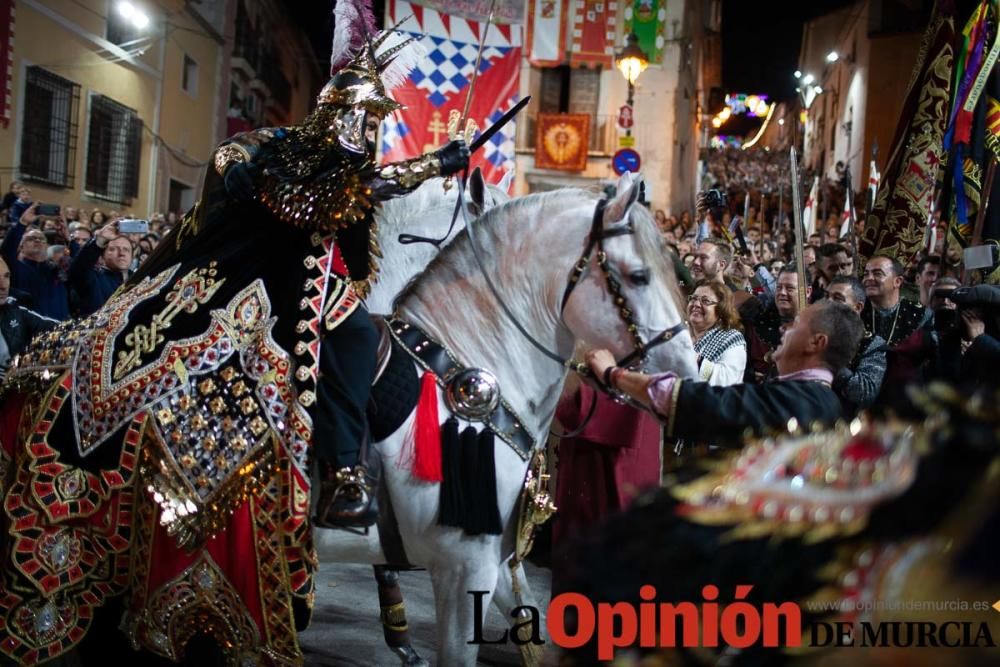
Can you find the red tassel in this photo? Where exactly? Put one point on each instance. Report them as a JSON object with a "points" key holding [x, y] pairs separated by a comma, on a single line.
{"points": [[427, 433]]}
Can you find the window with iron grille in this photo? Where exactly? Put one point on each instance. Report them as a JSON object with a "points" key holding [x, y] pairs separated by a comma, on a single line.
{"points": [[48, 137], [115, 140]]}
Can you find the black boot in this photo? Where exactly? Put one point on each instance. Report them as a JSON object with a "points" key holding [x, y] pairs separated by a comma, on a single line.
{"points": [[347, 499]]}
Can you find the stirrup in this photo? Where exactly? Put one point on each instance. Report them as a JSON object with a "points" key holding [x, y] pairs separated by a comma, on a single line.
{"points": [[347, 501]]}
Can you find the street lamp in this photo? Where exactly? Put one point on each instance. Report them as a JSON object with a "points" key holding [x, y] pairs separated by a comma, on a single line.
{"points": [[832, 57], [631, 62], [138, 18]]}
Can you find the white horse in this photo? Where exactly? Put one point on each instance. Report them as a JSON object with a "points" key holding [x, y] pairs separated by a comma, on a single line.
{"points": [[426, 212], [529, 247]]}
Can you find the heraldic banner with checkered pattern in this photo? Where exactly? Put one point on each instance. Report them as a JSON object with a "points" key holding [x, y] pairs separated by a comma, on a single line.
{"points": [[441, 81]]}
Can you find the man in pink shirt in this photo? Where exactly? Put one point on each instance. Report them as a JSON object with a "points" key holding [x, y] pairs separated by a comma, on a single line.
{"points": [[823, 339]]}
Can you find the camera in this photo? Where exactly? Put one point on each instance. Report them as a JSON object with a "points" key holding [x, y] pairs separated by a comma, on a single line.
{"points": [[985, 298], [714, 199], [133, 226], [47, 209]]}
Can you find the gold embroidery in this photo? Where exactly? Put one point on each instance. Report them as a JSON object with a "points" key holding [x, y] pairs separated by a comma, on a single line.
{"points": [[194, 289], [228, 155]]}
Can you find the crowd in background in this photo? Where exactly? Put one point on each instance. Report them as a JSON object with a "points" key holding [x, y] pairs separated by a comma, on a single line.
{"points": [[65, 260]]}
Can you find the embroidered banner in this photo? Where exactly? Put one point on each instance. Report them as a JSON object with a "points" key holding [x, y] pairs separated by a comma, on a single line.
{"points": [[506, 11], [439, 84], [546, 37], [897, 223], [6, 57], [561, 141], [646, 18], [594, 26]]}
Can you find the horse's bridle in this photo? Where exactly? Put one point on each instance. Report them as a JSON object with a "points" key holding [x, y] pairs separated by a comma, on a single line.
{"points": [[598, 234]]}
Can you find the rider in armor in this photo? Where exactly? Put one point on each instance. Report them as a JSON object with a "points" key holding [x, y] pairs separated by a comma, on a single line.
{"points": [[322, 175], [326, 168]]}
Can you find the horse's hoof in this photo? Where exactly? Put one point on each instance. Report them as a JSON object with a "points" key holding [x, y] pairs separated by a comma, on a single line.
{"points": [[410, 658]]}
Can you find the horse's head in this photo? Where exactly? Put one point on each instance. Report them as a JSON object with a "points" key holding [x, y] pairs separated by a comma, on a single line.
{"points": [[627, 299]]}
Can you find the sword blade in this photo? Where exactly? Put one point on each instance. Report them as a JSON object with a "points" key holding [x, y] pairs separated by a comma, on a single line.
{"points": [[496, 127], [799, 231]]}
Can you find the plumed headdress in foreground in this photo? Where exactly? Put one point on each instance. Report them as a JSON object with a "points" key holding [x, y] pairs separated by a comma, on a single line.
{"points": [[367, 64]]}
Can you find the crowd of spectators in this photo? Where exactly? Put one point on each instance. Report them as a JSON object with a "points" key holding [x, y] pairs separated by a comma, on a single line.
{"points": [[906, 316], [62, 261]]}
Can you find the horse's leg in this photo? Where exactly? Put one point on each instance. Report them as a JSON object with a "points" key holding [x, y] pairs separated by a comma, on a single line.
{"points": [[455, 606], [393, 616], [506, 601]]}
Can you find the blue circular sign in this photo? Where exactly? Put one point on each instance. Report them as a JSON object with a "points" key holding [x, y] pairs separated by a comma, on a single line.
{"points": [[626, 159]]}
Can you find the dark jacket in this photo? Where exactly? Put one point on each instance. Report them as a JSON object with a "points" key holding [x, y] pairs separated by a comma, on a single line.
{"points": [[725, 414], [41, 280], [981, 361], [93, 284], [18, 324]]}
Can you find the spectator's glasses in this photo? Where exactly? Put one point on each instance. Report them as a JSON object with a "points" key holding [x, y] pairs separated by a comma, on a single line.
{"points": [[703, 300], [35, 239]]}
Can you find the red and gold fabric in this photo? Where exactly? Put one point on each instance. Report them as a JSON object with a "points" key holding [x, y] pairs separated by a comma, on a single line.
{"points": [[594, 28], [169, 469], [562, 141]]}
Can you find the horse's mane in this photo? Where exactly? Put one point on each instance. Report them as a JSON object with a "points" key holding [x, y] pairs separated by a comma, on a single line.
{"points": [[653, 248], [456, 254]]}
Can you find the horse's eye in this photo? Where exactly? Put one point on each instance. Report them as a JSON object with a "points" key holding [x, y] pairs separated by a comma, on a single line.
{"points": [[639, 278]]}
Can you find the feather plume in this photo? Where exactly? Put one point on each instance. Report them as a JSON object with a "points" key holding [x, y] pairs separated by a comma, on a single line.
{"points": [[353, 23], [397, 55]]}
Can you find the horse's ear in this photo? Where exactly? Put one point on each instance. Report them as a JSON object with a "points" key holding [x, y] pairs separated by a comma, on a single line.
{"points": [[506, 181], [625, 197], [477, 190]]}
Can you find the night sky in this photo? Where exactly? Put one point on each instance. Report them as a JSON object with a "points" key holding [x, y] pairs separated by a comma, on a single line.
{"points": [[761, 40], [316, 18]]}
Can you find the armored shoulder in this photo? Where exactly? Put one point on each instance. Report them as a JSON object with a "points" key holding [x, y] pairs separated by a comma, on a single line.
{"points": [[242, 147]]}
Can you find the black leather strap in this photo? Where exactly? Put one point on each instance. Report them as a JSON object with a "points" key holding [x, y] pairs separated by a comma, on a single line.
{"points": [[434, 357]]}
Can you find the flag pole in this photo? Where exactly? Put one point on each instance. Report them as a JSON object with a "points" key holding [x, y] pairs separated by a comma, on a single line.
{"points": [[851, 218], [800, 268], [475, 72]]}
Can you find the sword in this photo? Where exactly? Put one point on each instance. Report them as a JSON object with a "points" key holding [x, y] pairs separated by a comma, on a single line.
{"points": [[495, 127], [799, 241], [851, 218]]}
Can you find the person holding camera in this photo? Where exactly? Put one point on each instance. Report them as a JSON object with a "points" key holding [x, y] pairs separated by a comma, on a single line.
{"points": [[961, 342], [25, 250], [100, 268]]}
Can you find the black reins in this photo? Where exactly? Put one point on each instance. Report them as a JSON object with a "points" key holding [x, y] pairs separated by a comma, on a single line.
{"points": [[598, 234]]}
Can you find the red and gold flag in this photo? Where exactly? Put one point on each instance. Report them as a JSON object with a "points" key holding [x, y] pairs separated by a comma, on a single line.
{"points": [[6, 57], [897, 222], [594, 28]]}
